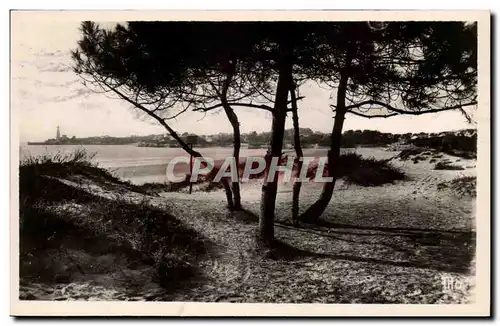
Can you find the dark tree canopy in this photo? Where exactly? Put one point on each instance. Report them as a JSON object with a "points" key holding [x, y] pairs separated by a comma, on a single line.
{"points": [[409, 68], [166, 68]]}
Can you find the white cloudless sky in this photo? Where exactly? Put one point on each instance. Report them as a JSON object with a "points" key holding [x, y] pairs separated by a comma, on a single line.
{"points": [[46, 93]]}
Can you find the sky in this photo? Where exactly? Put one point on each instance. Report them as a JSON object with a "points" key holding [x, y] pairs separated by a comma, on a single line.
{"points": [[45, 93]]}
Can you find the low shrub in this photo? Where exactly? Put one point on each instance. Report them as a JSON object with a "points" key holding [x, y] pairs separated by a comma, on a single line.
{"points": [[460, 153], [367, 172], [407, 154], [373, 172], [56, 217], [78, 162], [169, 245], [80, 155], [154, 188], [463, 185], [447, 166]]}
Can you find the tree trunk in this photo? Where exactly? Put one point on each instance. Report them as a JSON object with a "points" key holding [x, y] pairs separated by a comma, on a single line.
{"points": [[312, 214], [236, 184], [229, 195], [269, 188], [233, 119], [298, 155]]}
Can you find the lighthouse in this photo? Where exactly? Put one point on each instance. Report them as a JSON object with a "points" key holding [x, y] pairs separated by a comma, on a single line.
{"points": [[58, 133]]}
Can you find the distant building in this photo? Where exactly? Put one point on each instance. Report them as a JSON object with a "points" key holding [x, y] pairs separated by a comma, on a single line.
{"points": [[58, 133]]}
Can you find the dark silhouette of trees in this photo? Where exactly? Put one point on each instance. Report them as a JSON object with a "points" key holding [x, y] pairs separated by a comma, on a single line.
{"points": [[200, 62], [166, 68], [123, 62], [351, 138], [408, 68]]}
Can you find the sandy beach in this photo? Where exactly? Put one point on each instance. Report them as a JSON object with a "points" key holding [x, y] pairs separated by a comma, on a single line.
{"points": [[391, 243]]}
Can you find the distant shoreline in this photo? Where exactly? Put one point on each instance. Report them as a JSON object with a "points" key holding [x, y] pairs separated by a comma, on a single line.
{"points": [[167, 147], [82, 144], [253, 140]]}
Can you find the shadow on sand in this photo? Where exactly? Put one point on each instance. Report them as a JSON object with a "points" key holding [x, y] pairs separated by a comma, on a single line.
{"points": [[442, 250]]}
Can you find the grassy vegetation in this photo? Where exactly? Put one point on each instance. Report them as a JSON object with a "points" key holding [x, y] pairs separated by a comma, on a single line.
{"points": [[461, 153], [80, 163], [462, 185], [62, 226], [371, 247], [369, 172], [409, 154], [447, 166], [67, 165], [421, 153], [452, 144], [64, 164], [366, 172], [418, 154]]}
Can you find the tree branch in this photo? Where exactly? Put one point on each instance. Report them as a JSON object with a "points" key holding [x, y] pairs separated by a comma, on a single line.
{"points": [[298, 98], [373, 116], [393, 109], [157, 118], [177, 114], [249, 105]]}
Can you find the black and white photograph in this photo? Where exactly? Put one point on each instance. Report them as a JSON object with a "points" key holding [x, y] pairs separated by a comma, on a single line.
{"points": [[336, 162]]}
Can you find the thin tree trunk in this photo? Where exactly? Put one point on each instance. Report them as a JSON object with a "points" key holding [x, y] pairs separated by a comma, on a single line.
{"points": [[233, 119], [235, 185], [298, 155], [229, 195], [269, 188], [312, 214]]}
